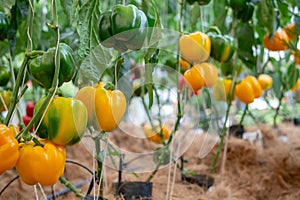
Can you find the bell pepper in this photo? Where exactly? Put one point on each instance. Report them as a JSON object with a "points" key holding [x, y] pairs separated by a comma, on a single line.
{"points": [[227, 68], [64, 122], [296, 87], [200, 2], [105, 107], [278, 42], [248, 89], [201, 75], [195, 47], [9, 148], [3, 26], [42, 68], [157, 135], [291, 31], [4, 75], [244, 92], [246, 13], [222, 90], [222, 46], [123, 28], [255, 85], [184, 65], [41, 164], [5, 95], [265, 81]]}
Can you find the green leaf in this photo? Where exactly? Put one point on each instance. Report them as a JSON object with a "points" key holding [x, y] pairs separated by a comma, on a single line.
{"points": [[88, 16], [7, 3], [94, 65], [277, 85], [195, 14], [267, 16], [67, 7], [297, 18], [246, 41], [283, 8], [220, 13], [4, 48], [18, 12], [291, 76]]}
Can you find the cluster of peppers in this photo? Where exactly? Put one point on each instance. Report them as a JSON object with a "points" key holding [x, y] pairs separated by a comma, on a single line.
{"points": [[64, 121], [196, 48], [246, 90]]}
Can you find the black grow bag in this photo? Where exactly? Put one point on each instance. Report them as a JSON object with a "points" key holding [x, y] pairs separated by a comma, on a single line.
{"points": [[134, 190], [296, 121], [202, 180], [237, 130]]}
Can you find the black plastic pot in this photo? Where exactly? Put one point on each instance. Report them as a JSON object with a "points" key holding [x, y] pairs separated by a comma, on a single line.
{"points": [[202, 180], [91, 197], [134, 190], [296, 121], [237, 130]]}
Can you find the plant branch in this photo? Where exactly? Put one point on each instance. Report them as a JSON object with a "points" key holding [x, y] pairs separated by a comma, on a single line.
{"points": [[244, 114], [71, 187]]}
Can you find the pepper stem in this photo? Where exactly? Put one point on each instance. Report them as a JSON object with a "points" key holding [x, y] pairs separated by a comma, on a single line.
{"points": [[214, 29]]}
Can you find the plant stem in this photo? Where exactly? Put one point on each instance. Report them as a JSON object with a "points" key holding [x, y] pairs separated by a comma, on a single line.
{"points": [[223, 133], [14, 99], [179, 109], [99, 163], [231, 94], [117, 69], [278, 109], [12, 70], [147, 112], [71, 187], [29, 28], [154, 172], [243, 116]]}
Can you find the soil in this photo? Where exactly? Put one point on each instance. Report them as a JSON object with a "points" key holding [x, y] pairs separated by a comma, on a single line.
{"points": [[261, 170]]}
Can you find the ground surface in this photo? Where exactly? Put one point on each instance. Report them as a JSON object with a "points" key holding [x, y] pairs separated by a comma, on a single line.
{"points": [[270, 170]]}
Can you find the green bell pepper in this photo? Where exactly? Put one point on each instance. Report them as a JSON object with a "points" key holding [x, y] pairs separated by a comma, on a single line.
{"points": [[222, 46], [42, 68], [246, 13], [4, 75], [228, 67], [3, 26], [64, 122], [123, 28], [200, 2]]}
